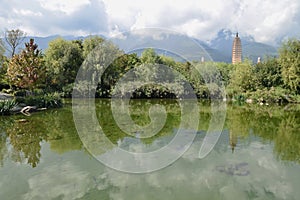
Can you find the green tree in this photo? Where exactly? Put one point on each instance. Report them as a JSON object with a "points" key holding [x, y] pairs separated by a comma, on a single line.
{"points": [[149, 56], [63, 59], [289, 59], [268, 73], [117, 69], [26, 70], [225, 70], [99, 61], [90, 43], [2, 48], [3, 67], [13, 39], [243, 78], [166, 60]]}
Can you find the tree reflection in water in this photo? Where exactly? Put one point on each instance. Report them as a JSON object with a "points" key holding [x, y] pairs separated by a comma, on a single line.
{"points": [[25, 139], [22, 141]]}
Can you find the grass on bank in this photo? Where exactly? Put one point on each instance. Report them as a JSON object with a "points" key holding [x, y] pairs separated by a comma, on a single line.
{"points": [[39, 101]]}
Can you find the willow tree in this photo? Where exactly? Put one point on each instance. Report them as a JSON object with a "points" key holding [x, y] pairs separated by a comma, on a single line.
{"points": [[26, 70]]}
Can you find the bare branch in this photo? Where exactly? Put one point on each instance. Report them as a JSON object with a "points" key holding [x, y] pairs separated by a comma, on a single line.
{"points": [[13, 39]]}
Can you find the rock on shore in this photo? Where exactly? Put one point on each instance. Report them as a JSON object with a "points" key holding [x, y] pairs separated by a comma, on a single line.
{"points": [[4, 96]]}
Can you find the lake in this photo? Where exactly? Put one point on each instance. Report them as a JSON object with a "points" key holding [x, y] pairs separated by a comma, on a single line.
{"points": [[256, 157]]}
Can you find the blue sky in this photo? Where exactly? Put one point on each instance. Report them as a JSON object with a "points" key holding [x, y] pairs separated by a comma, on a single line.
{"points": [[267, 21]]}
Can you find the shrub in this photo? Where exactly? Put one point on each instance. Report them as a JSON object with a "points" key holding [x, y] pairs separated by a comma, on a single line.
{"points": [[6, 106], [67, 90], [42, 101], [272, 95]]}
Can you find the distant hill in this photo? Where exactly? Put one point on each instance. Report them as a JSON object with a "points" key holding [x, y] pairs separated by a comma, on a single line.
{"points": [[43, 42], [250, 48], [218, 49]]}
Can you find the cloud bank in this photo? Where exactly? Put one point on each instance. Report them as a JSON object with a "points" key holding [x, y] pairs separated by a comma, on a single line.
{"points": [[267, 21]]}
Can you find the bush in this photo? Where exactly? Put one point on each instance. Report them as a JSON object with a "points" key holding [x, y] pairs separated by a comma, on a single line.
{"points": [[42, 101], [272, 95], [20, 93], [6, 106], [67, 90]]}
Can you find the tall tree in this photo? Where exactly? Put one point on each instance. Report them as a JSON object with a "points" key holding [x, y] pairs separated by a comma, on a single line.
{"points": [[2, 47], [243, 78], [3, 70], [13, 39], [149, 56], [63, 59], [90, 44], [2, 51], [26, 70], [289, 59], [268, 73]]}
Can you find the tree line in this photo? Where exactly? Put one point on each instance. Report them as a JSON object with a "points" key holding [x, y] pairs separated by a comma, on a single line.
{"points": [[275, 79]]}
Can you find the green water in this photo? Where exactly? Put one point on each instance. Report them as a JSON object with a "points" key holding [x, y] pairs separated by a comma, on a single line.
{"points": [[256, 157]]}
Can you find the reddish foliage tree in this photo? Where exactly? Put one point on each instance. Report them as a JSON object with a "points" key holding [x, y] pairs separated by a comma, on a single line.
{"points": [[26, 70]]}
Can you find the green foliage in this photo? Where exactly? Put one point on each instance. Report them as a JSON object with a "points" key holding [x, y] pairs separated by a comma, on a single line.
{"points": [[26, 70], [242, 79], [67, 90], [42, 101], [289, 59], [273, 80], [90, 43], [108, 60], [4, 84], [6, 106], [268, 73], [270, 95], [149, 56], [116, 70], [63, 59], [2, 49], [166, 60], [2, 58], [150, 90], [225, 70]]}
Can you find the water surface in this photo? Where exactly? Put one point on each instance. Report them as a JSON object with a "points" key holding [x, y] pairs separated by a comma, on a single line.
{"points": [[257, 156]]}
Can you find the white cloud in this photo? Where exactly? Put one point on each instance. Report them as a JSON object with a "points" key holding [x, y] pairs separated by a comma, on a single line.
{"points": [[40, 17], [50, 184], [26, 12], [267, 21], [67, 6], [191, 176]]}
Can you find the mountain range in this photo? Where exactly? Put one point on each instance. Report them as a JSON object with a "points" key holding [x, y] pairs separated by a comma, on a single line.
{"points": [[219, 49]]}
